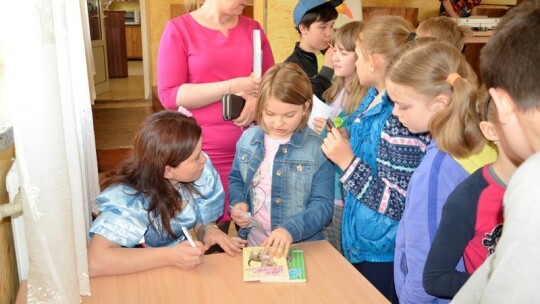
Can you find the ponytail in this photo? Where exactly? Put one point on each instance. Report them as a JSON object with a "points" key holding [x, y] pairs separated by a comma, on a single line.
{"points": [[430, 68], [456, 127]]}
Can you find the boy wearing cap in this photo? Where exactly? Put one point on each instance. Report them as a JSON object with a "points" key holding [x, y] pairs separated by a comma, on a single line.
{"points": [[314, 20]]}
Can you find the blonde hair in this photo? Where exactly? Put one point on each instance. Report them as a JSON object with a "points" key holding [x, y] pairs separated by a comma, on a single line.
{"points": [[424, 66], [445, 28], [191, 5], [288, 83], [384, 35], [346, 37]]}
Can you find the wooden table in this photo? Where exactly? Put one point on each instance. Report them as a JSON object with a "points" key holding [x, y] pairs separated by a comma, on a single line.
{"points": [[330, 279], [479, 37]]}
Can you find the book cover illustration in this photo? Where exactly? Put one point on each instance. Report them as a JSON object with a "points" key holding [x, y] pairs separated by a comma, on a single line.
{"points": [[258, 265], [297, 266]]}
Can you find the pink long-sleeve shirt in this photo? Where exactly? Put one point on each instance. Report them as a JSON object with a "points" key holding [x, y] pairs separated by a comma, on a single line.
{"points": [[191, 53]]}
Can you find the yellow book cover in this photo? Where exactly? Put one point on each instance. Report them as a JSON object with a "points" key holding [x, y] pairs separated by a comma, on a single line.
{"points": [[260, 266]]}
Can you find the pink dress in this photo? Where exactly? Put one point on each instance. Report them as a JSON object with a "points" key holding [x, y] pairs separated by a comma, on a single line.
{"points": [[191, 53]]}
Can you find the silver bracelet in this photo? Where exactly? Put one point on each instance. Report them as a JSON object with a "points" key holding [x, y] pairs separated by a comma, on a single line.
{"points": [[209, 226]]}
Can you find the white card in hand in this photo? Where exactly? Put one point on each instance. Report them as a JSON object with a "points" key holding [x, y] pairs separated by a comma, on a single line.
{"points": [[320, 109]]}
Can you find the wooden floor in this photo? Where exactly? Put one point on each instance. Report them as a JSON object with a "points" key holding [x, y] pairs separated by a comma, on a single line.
{"points": [[115, 128], [117, 115]]}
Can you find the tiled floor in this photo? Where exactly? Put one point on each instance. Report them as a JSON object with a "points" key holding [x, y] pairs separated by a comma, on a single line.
{"points": [[131, 87]]}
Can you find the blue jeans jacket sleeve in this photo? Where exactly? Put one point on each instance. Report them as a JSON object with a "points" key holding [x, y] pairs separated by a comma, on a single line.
{"points": [[238, 188]]}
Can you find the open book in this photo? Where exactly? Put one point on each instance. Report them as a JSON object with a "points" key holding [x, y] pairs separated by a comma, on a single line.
{"points": [[260, 266]]}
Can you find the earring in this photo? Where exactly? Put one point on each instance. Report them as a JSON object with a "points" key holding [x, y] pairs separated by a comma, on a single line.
{"points": [[495, 142]]}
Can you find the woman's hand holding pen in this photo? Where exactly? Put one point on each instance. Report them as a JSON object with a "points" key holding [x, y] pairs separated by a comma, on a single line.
{"points": [[337, 149], [186, 257]]}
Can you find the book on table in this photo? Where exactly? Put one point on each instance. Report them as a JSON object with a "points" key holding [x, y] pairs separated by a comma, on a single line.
{"points": [[258, 265]]}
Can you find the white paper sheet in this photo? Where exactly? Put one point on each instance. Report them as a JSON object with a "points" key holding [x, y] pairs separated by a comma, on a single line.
{"points": [[257, 54], [320, 109]]}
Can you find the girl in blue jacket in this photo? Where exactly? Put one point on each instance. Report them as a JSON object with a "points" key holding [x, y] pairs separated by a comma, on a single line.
{"points": [[379, 160], [280, 177]]}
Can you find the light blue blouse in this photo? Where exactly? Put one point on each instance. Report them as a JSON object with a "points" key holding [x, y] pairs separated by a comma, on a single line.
{"points": [[124, 217]]}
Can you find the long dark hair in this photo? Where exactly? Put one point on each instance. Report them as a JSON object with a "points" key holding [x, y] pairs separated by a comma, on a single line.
{"points": [[165, 138]]}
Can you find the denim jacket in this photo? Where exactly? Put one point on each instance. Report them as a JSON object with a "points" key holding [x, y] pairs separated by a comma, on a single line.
{"points": [[302, 182]]}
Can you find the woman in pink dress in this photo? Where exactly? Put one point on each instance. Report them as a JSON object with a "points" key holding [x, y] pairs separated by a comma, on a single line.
{"points": [[203, 55]]}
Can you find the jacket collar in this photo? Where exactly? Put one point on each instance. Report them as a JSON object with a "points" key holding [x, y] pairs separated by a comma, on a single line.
{"points": [[297, 139]]}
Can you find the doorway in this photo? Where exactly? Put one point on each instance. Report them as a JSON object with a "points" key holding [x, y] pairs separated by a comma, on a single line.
{"points": [[118, 113], [131, 84]]}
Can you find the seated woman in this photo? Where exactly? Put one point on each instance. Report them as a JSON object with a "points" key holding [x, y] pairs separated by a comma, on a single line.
{"points": [[165, 185]]}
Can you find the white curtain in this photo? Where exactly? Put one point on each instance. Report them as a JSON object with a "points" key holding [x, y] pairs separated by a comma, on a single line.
{"points": [[47, 83]]}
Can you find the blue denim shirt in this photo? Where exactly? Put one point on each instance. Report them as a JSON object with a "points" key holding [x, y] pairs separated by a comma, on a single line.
{"points": [[302, 182], [124, 219]]}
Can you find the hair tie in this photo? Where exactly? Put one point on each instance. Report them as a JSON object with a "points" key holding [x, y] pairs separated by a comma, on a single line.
{"points": [[452, 78], [184, 111], [411, 36]]}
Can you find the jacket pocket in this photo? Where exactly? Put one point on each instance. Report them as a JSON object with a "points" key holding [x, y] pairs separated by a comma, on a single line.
{"points": [[300, 177], [245, 162]]}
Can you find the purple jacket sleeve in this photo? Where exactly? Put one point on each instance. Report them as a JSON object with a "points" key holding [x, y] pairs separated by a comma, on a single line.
{"points": [[428, 190]]}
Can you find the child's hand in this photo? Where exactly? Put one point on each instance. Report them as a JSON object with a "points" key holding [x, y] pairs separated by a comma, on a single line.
{"points": [[186, 257], [328, 58], [279, 242], [344, 133], [238, 214], [319, 124], [337, 149]]}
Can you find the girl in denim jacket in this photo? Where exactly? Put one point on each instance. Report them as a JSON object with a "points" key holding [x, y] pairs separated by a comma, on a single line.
{"points": [[280, 176]]}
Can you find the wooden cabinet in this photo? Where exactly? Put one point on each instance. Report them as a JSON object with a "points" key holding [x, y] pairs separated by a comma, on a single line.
{"points": [[116, 44], [133, 42]]}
